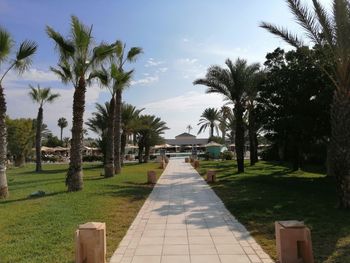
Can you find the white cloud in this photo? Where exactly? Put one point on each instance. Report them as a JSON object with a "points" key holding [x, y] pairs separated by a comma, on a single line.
{"points": [[189, 101], [190, 68], [33, 74], [151, 62], [187, 61], [20, 106], [163, 69], [185, 40], [145, 81]]}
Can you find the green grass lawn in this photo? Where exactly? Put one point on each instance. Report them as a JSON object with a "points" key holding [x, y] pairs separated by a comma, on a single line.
{"points": [[270, 192], [42, 229]]}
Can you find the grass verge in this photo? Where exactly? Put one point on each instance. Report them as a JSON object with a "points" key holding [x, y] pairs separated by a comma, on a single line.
{"points": [[269, 192], [42, 229]]}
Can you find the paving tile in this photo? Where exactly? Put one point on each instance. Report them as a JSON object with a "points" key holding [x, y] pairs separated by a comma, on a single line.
{"points": [[184, 221], [176, 259], [175, 250], [234, 259], [205, 259]]}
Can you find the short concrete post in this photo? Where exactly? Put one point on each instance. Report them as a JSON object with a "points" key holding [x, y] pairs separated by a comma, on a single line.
{"points": [[162, 165], [211, 176], [159, 159], [187, 160], [293, 242], [166, 159], [90, 243], [196, 164], [151, 177]]}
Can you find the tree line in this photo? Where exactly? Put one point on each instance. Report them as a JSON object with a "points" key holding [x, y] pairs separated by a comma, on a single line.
{"points": [[81, 62]]}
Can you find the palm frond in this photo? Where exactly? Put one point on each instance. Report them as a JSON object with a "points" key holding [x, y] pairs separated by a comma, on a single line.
{"points": [[283, 33], [5, 44], [325, 22], [341, 14], [23, 55], [61, 74], [133, 53], [306, 19], [66, 47]]}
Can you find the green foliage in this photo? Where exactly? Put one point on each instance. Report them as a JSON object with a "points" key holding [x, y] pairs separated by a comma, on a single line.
{"points": [[20, 136], [52, 141], [209, 118], [227, 155], [216, 139], [92, 158], [294, 104]]}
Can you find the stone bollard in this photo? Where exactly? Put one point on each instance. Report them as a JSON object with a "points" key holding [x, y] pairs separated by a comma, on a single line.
{"points": [[151, 177], [162, 165], [293, 242], [211, 176], [187, 160], [159, 159], [196, 164], [90, 243], [166, 159]]}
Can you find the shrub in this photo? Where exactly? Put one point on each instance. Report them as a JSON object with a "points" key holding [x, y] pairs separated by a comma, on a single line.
{"points": [[226, 155], [92, 158]]}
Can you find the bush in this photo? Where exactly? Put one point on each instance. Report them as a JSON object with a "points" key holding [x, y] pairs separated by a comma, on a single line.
{"points": [[92, 158], [227, 155]]}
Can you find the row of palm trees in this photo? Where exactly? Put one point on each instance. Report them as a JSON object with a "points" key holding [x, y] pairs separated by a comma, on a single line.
{"points": [[80, 62], [143, 130], [237, 83]]}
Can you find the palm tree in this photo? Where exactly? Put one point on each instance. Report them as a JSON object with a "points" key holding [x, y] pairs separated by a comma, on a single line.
{"points": [[149, 131], [330, 31], [20, 63], [114, 79], [119, 59], [189, 128], [98, 124], [224, 115], [129, 121], [77, 57], [62, 123], [40, 96], [209, 118], [232, 84]]}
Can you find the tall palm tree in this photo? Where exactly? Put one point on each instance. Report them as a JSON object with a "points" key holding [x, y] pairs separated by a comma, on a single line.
{"points": [[189, 128], [40, 96], [98, 124], [209, 118], [62, 123], [20, 63], [149, 131], [77, 57], [119, 59], [330, 31], [232, 82], [113, 79], [129, 122]]}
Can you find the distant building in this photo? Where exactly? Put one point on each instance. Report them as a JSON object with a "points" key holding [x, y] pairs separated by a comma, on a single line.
{"points": [[186, 141]]}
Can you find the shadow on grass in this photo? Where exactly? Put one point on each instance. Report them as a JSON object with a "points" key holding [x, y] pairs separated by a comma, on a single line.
{"points": [[135, 191], [32, 198], [269, 192]]}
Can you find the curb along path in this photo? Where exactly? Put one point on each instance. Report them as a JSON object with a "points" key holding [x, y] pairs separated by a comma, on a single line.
{"points": [[184, 221]]}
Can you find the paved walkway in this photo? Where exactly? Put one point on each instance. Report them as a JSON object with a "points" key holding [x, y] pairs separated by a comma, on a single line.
{"points": [[183, 221]]}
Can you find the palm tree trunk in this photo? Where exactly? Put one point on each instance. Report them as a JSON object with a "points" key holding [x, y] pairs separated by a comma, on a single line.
{"points": [[147, 151], [109, 160], [74, 180], [123, 145], [140, 152], [61, 134], [39, 123], [211, 130], [3, 146], [252, 138], [340, 146], [239, 137], [117, 139], [20, 160]]}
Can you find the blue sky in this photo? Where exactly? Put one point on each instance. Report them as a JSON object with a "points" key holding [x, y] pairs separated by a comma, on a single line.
{"points": [[180, 40]]}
